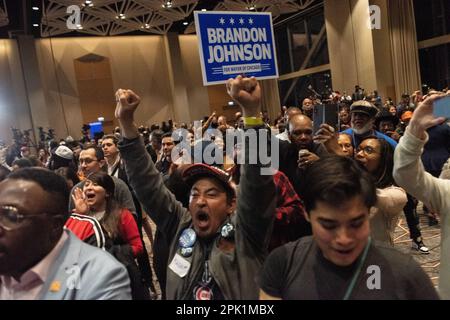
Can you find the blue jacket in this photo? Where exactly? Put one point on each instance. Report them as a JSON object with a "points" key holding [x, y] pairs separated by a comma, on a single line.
{"points": [[358, 138], [84, 272]]}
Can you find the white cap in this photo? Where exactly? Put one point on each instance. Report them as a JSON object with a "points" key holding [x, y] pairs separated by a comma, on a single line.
{"points": [[64, 152]]}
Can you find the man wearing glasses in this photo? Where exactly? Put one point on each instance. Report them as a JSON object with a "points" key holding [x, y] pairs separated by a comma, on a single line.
{"points": [[92, 160], [41, 261]]}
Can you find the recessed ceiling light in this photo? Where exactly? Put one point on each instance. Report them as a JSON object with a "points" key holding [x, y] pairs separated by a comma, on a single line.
{"points": [[35, 8], [167, 4], [35, 25]]}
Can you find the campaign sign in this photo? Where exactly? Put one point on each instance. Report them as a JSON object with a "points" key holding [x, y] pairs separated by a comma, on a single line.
{"points": [[235, 43]]}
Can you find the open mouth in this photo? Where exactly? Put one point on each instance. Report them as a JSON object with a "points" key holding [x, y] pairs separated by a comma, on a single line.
{"points": [[90, 195], [202, 219], [344, 252]]}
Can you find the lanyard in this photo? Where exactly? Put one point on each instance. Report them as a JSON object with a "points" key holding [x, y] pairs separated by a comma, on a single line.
{"points": [[358, 270]]}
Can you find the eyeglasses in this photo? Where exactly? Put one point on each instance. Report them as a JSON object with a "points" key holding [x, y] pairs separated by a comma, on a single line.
{"points": [[87, 161], [11, 219], [367, 150]]}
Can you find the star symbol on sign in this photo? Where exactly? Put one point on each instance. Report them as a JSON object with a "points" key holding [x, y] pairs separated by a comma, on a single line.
{"points": [[222, 21], [250, 21], [231, 21], [241, 21]]}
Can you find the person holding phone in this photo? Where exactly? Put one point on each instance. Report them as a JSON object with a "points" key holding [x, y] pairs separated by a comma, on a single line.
{"points": [[437, 150], [410, 174]]}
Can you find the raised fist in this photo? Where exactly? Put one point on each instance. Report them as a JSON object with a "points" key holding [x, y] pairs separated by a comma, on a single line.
{"points": [[127, 103]]}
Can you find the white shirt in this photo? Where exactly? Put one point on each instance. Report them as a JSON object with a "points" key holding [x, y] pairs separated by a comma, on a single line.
{"points": [[284, 136]]}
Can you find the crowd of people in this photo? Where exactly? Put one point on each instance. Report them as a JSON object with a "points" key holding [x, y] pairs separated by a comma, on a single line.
{"points": [[72, 214]]}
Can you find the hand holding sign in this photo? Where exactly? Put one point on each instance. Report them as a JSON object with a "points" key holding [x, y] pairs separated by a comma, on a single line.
{"points": [[247, 93]]}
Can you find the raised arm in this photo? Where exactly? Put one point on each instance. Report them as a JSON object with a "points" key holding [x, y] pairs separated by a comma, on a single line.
{"points": [[145, 180], [257, 197], [409, 172]]}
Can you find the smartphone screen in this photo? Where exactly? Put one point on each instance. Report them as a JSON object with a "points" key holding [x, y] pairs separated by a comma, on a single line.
{"points": [[441, 107], [326, 113]]}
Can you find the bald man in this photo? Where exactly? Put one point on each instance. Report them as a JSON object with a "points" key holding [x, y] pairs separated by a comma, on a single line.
{"points": [[290, 112], [296, 156]]}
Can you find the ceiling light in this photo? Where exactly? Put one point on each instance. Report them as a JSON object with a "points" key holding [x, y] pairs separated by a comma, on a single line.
{"points": [[251, 8], [167, 4], [35, 8], [79, 27], [185, 23], [88, 3], [204, 10], [121, 16], [35, 25]]}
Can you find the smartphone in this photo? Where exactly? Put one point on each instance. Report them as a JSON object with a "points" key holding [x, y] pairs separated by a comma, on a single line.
{"points": [[326, 113], [441, 107]]}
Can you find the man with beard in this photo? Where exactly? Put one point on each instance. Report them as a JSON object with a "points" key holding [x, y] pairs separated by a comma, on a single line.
{"points": [[363, 115], [215, 252]]}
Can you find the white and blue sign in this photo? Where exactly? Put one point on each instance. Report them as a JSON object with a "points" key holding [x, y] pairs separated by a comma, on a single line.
{"points": [[235, 43]]}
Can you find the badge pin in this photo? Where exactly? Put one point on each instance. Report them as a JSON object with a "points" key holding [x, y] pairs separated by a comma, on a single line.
{"points": [[203, 293], [227, 230], [55, 286], [187, 238], [186, 252]]}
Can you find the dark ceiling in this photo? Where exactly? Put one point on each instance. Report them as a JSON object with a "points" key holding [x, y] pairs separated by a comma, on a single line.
{"points": [[24, 20]]}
